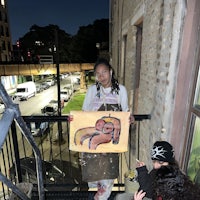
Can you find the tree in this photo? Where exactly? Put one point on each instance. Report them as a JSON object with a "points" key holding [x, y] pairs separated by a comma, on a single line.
{"points": [[78, 48], [83, 46], [41, 40]]}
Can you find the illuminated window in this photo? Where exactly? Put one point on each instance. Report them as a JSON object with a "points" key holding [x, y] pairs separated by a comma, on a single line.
{"points": [[3, 2]]}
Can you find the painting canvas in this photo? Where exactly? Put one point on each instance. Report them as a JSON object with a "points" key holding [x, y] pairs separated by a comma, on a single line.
{"points": [[99, 132]]}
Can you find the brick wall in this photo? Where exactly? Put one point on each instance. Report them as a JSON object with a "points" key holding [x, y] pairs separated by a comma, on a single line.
{"points": [[162, 21]]}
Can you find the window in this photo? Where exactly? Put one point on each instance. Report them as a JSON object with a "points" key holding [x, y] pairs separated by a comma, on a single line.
{"points": [[3, 3], [138, 65], [193, 168], [3, 45], [2, 33], [197, 94], [7, 32], [194, 161], [123, 68]]}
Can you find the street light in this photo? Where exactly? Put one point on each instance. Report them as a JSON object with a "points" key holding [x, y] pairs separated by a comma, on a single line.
{"points": [[18, 48], [98, 48]]}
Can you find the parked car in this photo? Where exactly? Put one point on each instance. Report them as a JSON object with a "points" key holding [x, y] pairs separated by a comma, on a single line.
{"points": [[70, 87], [50, 109], [75, 78], [55, 102], [39, 128], [44, 85], [64, 94], [50, 172], [50, 82], [69, 90], [39, 88]]}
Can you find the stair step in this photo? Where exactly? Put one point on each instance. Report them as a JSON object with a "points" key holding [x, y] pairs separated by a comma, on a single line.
{"points": [[72, 195]]}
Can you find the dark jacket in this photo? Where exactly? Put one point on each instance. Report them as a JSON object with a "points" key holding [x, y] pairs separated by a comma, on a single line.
{"points": [[145, 180]]}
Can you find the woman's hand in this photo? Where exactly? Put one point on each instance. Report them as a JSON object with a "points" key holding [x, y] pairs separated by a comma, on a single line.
{"points": [[139, 163], [131, 119], [139, 195], [70, 118]]}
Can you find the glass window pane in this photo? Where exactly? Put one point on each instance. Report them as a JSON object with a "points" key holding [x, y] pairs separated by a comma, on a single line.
{"points": [[194, 160], [197, 93]]}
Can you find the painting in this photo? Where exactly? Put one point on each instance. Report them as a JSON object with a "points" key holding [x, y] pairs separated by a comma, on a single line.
{"points": [[99, 132]]}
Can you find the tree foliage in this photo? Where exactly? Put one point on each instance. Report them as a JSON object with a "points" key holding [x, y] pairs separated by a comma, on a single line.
{"points": [[72, 49]]}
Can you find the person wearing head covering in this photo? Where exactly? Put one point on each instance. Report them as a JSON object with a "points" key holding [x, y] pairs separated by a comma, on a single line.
{"points": [[171, 183], [162, 154]]}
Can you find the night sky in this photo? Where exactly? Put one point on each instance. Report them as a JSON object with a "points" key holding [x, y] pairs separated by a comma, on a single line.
{"points": [[69, 15]]}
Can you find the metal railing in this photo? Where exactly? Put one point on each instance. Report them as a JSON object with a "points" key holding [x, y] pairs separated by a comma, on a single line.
{"points": [[11, 114], [53, 166]]}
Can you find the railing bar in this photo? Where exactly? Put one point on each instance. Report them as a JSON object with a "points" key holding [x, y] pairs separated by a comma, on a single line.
{"points": [[37, 153], [11, 150], [23, 144], [5, 123], [38, 118], [41, 144], [2, 185], [7, 152], [16, 152], [13, 187], [50, 140]]}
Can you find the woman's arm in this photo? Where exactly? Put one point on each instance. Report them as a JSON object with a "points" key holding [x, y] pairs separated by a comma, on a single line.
{"points": [[145, 181], [88, 98], [123, 98]]}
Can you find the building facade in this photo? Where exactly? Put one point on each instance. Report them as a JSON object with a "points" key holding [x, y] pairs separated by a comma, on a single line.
{"points": [[5, 36], [154, 48], [9, 82]]}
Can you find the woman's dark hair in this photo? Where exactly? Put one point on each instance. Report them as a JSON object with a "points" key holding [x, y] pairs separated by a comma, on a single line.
{"points": [[172, 184], [114, 81]]}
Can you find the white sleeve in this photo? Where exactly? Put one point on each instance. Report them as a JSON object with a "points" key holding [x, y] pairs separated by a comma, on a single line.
{"points": [[123, 98], [88, 98]]}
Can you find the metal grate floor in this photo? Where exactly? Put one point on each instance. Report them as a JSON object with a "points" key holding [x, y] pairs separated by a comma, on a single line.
{"points": [[71, 195]]}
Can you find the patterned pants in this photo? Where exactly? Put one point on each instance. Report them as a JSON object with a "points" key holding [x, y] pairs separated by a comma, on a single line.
{"points": [[104, 188]]}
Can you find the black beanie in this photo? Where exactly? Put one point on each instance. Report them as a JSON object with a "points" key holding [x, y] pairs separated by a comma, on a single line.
{"points": [[163, 151]]}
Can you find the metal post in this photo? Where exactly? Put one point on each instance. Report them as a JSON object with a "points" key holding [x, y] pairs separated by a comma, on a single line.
{"points": [[140, 118], [60, 139]]}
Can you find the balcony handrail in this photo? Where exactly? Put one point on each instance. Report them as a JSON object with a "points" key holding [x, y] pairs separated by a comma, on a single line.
{"points": [[12, 112]]}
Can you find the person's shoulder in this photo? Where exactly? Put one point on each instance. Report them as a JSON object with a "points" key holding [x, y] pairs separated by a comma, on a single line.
{"points": [[122, 86], [92, 87]]}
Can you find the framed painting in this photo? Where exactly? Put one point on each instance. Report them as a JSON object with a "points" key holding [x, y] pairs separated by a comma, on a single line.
{"points": [[99, 132]]}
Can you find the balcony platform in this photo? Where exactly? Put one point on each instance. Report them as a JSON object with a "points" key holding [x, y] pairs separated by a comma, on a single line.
{"points": [[72, 195]]}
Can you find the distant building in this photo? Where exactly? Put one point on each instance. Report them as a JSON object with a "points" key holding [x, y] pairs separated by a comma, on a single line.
{"points": [[5, 36], [9, 82]]}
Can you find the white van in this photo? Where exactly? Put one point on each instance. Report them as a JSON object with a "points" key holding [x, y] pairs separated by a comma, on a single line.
{"points": [[25, 90]]}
